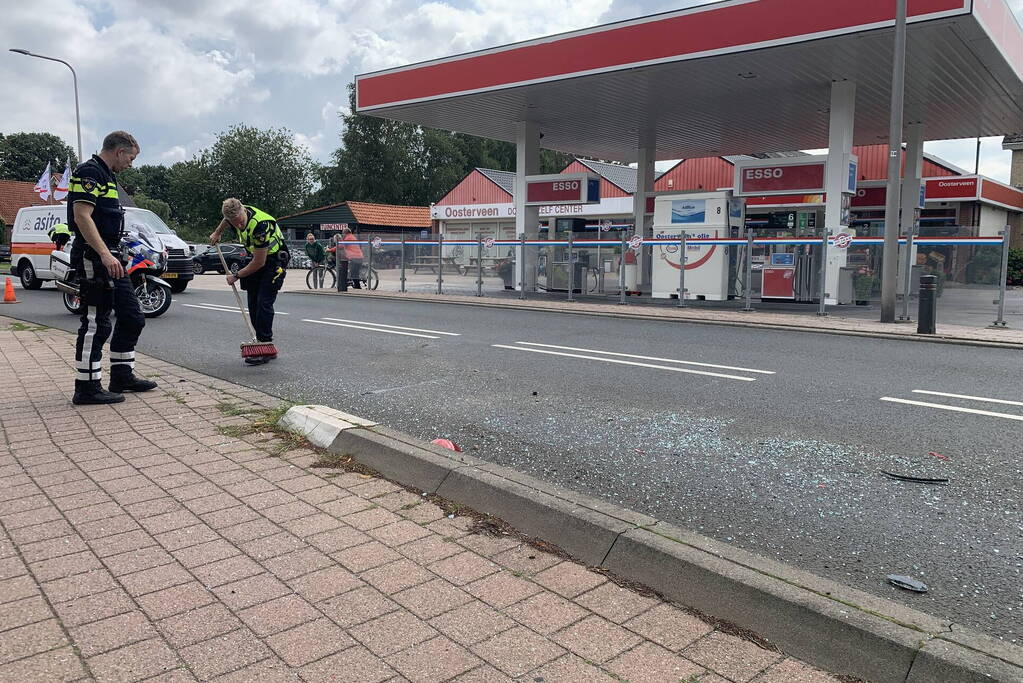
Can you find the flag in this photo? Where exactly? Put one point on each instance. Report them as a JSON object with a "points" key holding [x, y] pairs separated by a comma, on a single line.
{"points": [[62, 185], [42, 187]]}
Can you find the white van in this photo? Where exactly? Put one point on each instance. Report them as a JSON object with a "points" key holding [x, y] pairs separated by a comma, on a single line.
{"points": [[31, 247]]}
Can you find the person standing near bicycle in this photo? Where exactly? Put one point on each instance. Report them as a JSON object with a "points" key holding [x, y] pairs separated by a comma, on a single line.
{"points": [[352, 253], [317, 258]]}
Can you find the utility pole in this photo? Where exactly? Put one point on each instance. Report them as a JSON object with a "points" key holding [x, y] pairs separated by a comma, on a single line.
{"points": [[889, 257]]}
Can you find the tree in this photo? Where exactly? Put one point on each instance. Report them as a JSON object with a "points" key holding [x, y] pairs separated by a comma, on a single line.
{"points": [[378, 161], [193, 200], [23, 156], [399, 163], [157, 206], [265, 168], [150, 180]]}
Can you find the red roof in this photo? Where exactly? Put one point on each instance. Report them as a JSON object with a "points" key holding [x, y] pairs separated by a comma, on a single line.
{"points": [[391, 215], [15, 195]]}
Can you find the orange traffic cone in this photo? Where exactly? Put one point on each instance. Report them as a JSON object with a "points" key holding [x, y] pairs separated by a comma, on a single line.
{"points": [[9, 292]]}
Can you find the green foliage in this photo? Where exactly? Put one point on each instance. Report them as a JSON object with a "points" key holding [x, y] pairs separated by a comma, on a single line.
{"points": [[398, 163], [264, 168], [157, 206], [23, 156], [1015, 276], [149, 179]]}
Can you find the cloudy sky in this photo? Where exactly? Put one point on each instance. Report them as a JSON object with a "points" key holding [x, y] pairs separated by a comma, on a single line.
{"points": [[177, 72]]}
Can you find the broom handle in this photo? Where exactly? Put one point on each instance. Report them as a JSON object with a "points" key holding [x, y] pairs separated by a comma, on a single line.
{"points": [[237, 296]]}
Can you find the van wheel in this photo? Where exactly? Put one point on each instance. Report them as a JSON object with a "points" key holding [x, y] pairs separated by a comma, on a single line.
{"points": [[27, 273]]}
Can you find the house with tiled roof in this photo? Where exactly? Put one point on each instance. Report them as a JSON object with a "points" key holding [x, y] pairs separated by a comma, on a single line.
{"points": [[361, 217], [15, 195]]}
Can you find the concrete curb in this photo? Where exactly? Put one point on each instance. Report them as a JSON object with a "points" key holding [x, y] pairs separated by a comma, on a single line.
{"points": [[834, 627], [934, 339]]}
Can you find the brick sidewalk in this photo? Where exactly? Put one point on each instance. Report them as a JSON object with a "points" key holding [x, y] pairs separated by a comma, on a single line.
{"points": [[140, 542]]}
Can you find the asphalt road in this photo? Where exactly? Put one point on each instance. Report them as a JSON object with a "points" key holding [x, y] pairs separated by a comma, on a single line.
{"points": [[778, 451]]}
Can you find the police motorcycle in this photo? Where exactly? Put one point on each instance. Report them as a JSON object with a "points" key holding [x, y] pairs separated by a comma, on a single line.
{"points": [[144, 259]]}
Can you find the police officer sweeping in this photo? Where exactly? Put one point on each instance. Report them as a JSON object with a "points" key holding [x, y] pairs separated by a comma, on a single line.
{"points": [[60, 235], [96, 220], [263, 276]]}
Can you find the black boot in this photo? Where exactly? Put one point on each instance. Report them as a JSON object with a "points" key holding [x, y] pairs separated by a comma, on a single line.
{"points": [[125, 380], [92, 394]]}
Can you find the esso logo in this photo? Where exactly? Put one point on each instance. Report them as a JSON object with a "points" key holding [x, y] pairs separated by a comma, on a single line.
{"points": [[763, 173], [565, 185]]}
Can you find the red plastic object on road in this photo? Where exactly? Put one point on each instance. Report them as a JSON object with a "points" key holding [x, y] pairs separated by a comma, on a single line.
{"points": [[448, 444]]}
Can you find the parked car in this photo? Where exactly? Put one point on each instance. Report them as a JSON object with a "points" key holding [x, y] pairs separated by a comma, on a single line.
{"points": [[5, 252], [234, 254]]}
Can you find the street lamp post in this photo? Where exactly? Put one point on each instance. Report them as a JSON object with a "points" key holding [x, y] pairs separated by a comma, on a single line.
{"points": [[78, 118]]}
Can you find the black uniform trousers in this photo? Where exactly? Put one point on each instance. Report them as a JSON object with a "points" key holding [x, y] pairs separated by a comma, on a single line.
{"points": [[101, 295], [261, 288]]}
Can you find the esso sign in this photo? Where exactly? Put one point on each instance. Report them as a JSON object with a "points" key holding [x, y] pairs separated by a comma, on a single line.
{"points": [[804, 177], [562, 188], [758, 173]]}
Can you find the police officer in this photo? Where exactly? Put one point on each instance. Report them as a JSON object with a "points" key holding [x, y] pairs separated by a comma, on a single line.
{"points": [[60, 235], [263, 276], [96, 219]]}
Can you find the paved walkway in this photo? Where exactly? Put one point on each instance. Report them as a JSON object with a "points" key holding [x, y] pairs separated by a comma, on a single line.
{"points": [[154, 541]]}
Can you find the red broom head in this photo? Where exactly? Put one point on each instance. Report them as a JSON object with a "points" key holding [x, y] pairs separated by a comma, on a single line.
{"points": [[258, 349]]}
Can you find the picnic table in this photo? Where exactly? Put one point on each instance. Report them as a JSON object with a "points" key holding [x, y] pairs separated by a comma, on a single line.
{"points": [[431, 262]]}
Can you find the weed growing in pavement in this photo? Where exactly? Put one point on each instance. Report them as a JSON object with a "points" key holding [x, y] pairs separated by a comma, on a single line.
{"points": [[176, 396], [232, 409], [25, 327]]}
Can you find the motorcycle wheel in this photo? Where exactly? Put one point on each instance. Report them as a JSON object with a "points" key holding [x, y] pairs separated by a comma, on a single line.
{"points": [[154, 299], [72, 302]]}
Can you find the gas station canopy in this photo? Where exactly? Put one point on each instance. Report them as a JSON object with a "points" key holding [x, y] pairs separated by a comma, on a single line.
{"points": [[733, 77]]}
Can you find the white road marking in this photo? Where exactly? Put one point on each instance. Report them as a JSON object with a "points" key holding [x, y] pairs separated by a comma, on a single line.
{"points": [[393, 327], [969, 398], [223, 309], [626, 362], [371, 329], [662, 360], [957, 409]]}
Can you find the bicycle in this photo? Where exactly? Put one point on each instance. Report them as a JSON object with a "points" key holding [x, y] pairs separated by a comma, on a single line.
{"points": [[368, 278], [320, 277]]}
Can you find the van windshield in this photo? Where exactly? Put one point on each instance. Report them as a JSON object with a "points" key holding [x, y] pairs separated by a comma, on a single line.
{"points": [[135, 218]]}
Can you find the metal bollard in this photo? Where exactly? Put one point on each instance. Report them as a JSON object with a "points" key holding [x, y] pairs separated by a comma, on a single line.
{"points": [[621, 270], [926, 316], [749, 272], [1002, 280], [479, 267], [521, 265], [440, 264], [402, 263], [342, 271], [682, 270], [571, 271], [822, 310]]}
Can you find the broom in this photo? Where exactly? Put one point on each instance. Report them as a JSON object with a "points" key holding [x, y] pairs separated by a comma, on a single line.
{"points": [[254, 348]]}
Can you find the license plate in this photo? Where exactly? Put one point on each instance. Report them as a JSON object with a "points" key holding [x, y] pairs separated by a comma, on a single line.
{"points": [[169, 276]]}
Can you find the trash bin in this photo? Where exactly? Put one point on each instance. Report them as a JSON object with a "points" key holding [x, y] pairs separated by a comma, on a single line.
{"points": [[845, 285]]}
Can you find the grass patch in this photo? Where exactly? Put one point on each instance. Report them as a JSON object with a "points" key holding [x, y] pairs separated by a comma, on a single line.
{"points": [[25, 327], [332, 461], [232, 409]]}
